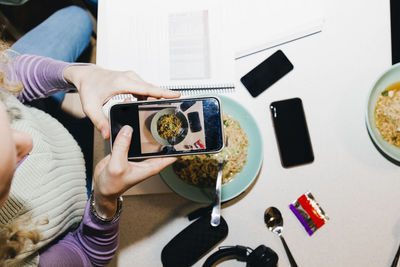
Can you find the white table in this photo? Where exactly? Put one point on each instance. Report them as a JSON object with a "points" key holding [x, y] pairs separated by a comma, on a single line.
{"points": [[356, 186]]}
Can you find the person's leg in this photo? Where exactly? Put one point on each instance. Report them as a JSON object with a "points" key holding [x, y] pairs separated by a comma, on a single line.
{"points": [[63, 36]]}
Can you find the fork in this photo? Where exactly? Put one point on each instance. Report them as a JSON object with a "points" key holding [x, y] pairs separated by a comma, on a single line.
{"points": [[216, 211]]}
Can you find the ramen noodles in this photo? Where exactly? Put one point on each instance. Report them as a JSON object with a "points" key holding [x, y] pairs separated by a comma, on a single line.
{"points": [[387, 114], [202, 170], [169, 126]]}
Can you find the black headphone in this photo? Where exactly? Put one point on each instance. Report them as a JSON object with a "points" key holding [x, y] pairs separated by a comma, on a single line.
{"points": [[262, 256]]}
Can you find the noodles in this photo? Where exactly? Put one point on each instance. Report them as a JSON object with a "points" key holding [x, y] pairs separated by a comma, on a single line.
{"points": [[202, 170], [387, 114], [169, 126]]}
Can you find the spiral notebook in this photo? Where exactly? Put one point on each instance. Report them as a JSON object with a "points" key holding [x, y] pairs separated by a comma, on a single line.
{"points": [[177, 45]]}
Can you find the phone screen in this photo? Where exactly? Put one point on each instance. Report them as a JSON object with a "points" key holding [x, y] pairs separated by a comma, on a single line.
{"points": [[266, 73], [170, 127], [291, 132]]}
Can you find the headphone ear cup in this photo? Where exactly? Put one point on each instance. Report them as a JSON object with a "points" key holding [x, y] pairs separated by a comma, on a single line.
{"points": [[262, 256]]}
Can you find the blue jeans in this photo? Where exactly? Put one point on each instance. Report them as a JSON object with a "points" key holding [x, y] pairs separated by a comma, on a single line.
{"points": [[62, 36]]}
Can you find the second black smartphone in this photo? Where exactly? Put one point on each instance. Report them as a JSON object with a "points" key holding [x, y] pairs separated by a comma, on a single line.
{"points": [[266, 73], [291, 132]]}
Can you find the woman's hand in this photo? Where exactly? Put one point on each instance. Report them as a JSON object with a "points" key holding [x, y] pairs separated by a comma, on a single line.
{"points": [[115, 174], [97, 85]]}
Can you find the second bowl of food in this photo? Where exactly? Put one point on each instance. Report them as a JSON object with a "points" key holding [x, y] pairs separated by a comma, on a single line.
{"points": [[383, 113]]}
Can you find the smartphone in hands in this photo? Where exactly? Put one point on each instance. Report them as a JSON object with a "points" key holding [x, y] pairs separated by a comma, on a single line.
{"points": [[291, 132], [172, 127]]}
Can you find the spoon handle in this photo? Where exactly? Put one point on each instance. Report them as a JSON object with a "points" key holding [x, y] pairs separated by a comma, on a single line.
{"points": [[216, 211], [291, 259], [396, 258]]}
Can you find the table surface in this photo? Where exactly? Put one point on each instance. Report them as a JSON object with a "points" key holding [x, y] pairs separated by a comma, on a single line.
{"points": [[357, 187]]}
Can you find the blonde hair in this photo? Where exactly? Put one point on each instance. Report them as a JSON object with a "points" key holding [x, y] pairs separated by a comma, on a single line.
{"points": [[12, 87], [8, 87], [6, 54], [14, 236]]}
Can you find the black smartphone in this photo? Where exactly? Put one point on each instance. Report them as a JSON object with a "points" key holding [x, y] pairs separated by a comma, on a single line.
{"points": [[267, 73], [163, 128], [187, 104], [395, 30], [291, 132], [194, 121]]}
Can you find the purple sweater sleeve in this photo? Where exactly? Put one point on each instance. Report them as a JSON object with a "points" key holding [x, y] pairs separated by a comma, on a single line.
{"points": [[41, 76], [93, 243]]}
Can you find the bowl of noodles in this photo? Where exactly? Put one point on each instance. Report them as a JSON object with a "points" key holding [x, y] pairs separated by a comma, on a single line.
{"points": [[383, 113], [169, 126], [193, 177], [202, 170]]}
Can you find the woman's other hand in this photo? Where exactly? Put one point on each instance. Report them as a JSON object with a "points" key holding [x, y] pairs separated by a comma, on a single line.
{"points": [[97, 85], [115, 174]]}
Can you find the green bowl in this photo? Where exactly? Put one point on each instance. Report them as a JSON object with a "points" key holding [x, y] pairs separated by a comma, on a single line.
{"points": [[389, 77], [243, 179]]}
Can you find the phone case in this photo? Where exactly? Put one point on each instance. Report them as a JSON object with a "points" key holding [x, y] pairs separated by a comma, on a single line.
{"points": [[193, 242], [291, 132]]}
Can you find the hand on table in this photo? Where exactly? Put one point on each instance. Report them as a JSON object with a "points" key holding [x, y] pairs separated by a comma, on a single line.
{"points": [[97, 85]]}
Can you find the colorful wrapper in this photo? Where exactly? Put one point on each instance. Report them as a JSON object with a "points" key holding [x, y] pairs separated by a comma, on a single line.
{"points": [[199, 145], [309, 213]]}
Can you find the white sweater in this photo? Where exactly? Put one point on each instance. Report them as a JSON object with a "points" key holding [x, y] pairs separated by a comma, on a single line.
{"points": [[50, 183]]}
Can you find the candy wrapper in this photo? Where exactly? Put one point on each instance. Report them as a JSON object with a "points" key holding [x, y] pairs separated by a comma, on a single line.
{"points": [[309, 213]]}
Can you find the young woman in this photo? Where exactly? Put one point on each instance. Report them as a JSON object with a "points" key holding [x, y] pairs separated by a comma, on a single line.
{"points": [[45, 217]]}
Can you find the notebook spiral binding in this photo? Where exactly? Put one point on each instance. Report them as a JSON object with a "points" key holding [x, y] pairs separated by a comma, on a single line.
{"points": [[186, 90]]}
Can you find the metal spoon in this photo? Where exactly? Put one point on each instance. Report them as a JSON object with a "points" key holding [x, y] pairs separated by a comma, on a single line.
{"points": [[216, 211], [274, 221]]}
